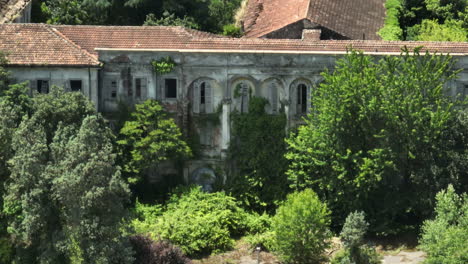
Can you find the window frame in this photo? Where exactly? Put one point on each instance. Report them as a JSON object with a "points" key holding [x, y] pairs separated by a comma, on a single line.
{"points": [[75, 80], [42, 80], [165, 88]]}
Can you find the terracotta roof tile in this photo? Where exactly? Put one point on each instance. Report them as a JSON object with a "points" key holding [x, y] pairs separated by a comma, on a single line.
{"points": [[10, 9], [351, 18], [38, 44]]}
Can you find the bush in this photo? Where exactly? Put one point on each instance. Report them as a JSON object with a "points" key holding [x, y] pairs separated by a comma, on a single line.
{"points": [[259, 231], [445, 238], [352, 236], [197, 222], [301, 227], [162, 252]]}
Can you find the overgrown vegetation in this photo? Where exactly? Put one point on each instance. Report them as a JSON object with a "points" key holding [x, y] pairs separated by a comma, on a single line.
{"points": [[196, 221], [445, 237], [428, 20], [61, 173], [352, 236], [258, 180], [149, 138], [301, 227], [360, 150], [209, 15]]}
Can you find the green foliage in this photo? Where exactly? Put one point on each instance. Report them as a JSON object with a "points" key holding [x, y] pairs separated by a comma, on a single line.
{"points": [[65, 12], [429, 20], [301, 227], [352, 236], [354, 229], [164, 65], [62, 174], [444, 238], [170, 20], [258, 181], [207, 15], [431, 30], [266, 240], [365, 255], [197, 222], [392, 29], [361, 150], [232, 31], [149, 138]]}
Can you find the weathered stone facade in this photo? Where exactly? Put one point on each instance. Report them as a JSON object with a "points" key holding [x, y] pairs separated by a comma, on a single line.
{"points": [[213, 76]]}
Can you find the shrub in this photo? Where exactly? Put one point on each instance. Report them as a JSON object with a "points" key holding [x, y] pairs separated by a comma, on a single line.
{"points": [[445, 237], [352, 235], [259, 231], [162, 252], [197, 222], [301, 227], [265, 240]]}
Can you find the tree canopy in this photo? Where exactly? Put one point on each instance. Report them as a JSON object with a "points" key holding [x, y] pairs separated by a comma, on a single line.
{"points": [[428, 20], [382, 137]]}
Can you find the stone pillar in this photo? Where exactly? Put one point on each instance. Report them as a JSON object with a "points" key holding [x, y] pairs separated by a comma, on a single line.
{"points": [[226, 125], [286, 104]]}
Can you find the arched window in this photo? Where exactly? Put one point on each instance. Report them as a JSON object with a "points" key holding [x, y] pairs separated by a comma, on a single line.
{"points": [[273, 96], [300, 97], [202, 97], [243, 96]]}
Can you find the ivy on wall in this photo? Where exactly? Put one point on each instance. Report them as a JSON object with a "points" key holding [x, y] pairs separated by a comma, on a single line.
{"points": [[257, 152], [163, 65]]}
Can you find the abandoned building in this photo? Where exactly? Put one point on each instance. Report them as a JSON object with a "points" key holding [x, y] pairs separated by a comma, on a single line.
{"points": [[213, 74]]}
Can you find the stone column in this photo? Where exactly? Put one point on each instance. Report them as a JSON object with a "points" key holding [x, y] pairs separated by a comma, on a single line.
{"points": [[226, 125], [286, 104]]}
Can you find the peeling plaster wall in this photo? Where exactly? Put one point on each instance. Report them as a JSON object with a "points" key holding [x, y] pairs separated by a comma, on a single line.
{"points": [[60, 77], [224, 71]]}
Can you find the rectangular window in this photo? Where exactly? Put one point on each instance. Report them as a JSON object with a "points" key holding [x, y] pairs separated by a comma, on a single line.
{"points": [[43, 86], [140, 87], [75, 85], [113, 89], [170, 88]]}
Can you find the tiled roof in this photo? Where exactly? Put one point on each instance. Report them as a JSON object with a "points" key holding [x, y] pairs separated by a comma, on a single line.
{"points": [[353, 19], [10, 9], [178, 38], [38, 44], [41, 45], [91, 37]]}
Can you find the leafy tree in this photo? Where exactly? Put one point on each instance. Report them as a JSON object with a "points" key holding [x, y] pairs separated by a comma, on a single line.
{"points": [[62, 174], [258, 180], [444, 238], [170, 20], [149, 138], [431, 30], [382, 137], [301, 226], [352, 236], [414, 20]]}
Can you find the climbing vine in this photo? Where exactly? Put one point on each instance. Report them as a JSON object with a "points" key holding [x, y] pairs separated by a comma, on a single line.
{"points": [[257, 152], [164, 65]]}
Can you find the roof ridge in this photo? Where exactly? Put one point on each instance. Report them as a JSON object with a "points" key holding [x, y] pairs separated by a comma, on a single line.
{"points": [[59, 34]]}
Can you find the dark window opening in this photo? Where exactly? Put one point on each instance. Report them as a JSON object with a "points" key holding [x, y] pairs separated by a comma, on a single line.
{"points": [[114, 89], [302, 98], [171, 88], [138, 87], [43, 86], [202, 93], [76, 85]]}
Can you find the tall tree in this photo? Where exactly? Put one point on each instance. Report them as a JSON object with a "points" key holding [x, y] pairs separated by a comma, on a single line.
{"points": [[149, 138], [64, 198], [382, 138]]}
